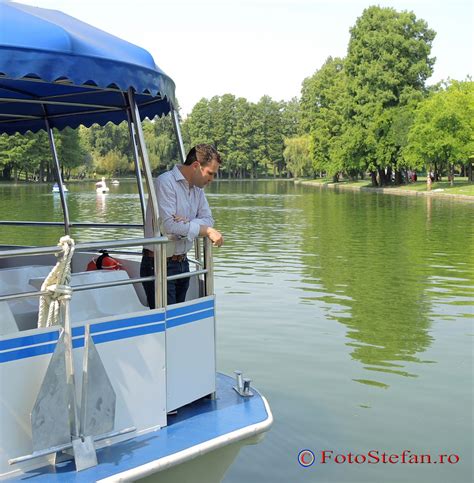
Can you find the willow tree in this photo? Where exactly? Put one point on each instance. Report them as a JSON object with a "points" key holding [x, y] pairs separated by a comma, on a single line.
{"points": [[387, 64], [297, 156]]}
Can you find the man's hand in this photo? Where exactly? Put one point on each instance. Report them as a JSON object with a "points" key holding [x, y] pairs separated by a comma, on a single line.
{"points": [[215, 236]]}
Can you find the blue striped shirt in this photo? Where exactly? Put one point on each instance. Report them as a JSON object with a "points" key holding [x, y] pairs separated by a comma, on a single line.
{"points": [[177, 198]]}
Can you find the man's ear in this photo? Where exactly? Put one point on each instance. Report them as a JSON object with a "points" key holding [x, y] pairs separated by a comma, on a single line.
{"points": [[196, 164]]}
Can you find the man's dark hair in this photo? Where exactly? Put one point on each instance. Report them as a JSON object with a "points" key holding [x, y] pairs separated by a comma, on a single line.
{"points": [[204, 154]]}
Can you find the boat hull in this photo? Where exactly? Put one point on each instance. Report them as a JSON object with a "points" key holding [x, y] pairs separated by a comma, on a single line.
{"points": [[199, 444], [208, 468]]}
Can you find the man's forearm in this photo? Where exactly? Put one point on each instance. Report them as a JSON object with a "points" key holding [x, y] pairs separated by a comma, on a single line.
{"points": [[203, 230]]}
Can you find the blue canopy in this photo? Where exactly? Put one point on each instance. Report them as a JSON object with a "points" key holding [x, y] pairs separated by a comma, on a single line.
{"points": [[54, 65]]}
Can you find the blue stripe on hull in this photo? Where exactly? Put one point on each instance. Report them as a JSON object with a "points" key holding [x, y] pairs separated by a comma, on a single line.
{"points": [[28, 340], [121, 334], [186, 319], [37, 350], [35, 345]]}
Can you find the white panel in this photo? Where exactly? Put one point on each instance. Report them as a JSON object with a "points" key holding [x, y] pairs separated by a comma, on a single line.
{"points": [[7, 321], [190, 361], [20, 381], [136, 369], [16, 280]]}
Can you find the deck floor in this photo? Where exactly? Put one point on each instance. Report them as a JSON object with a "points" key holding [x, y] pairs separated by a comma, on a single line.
{"points": [[194, 424]]}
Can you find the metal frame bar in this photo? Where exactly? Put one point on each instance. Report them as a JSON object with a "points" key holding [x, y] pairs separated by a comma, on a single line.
{"points": [[81, 247], [72, 224], [159, 252], [93, 286], [20, 117], [136, 161], [208, 265], [177, 130], [58, 173], [50, 250], [45, 102]]}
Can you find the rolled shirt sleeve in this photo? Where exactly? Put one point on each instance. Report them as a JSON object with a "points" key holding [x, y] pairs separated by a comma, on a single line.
{"points": [[204, 215]]}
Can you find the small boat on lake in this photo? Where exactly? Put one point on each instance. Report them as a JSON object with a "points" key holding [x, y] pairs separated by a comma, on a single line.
{"points": [[115, 182], [56, 189], [93, 384]]}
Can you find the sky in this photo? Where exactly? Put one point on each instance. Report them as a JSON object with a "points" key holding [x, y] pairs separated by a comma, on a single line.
{"points": [[252, 48]]}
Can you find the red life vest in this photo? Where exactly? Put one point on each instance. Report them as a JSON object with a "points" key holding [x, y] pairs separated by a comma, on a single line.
{"points": [[104, 262]]}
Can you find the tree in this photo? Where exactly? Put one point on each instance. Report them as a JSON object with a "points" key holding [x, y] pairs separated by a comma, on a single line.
{"points": [[387, 64], [268, 149], [241, 144], [323, 105], [442, 133], [28, 153], [298, 156], [291, 118], [198, 123], [71, 151]]}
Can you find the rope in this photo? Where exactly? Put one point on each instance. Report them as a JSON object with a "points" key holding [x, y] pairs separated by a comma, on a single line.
{"points": [[57, 284]]}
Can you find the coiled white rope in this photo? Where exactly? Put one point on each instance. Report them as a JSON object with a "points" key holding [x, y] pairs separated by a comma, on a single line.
{"points": [[57, 284]]}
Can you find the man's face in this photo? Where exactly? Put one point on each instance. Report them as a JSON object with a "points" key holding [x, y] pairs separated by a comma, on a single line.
{"points": [[203, 175]]}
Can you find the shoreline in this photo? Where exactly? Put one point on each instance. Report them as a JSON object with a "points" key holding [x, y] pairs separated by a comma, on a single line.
{"points": [[386, 190]]}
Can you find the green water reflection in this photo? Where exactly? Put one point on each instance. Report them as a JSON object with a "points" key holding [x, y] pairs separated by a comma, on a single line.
{"points": [[353, 313]]}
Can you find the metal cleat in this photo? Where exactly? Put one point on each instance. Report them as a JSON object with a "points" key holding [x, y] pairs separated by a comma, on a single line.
{"points": [[243, 385]]}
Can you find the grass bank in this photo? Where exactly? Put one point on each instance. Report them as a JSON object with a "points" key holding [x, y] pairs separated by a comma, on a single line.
{"points": [[461, 190]]}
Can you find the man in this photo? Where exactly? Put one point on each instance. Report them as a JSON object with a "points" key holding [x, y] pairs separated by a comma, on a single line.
{"points": [[184, 215]]}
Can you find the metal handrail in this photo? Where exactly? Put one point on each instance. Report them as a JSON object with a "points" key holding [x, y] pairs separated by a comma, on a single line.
{"points": [[49, 250], [72, 224], [87, 246], [92, 286]]}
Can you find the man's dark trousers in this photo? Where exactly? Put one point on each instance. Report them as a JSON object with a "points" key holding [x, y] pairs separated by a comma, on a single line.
{"points": [[176, 288]]}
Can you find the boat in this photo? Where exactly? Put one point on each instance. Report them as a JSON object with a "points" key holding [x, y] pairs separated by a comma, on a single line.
{"points": [[115, 182], [101, 187], [56, 189], [95, 386]]}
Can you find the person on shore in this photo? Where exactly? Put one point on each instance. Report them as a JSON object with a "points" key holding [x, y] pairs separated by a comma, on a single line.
{"points": [[184, 214]]}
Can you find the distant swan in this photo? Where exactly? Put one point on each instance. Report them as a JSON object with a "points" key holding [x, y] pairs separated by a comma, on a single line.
{"points": [[101, 187]]}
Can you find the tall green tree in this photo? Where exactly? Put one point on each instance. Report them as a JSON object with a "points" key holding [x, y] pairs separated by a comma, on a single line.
{"points": [[387, 64], [323, 116], [442, 134], [268, 149], [26, 154], [291, 118], [71, 151], [198, 123]]}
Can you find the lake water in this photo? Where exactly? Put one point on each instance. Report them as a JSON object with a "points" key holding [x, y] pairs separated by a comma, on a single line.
{"points": [[352, 313]]}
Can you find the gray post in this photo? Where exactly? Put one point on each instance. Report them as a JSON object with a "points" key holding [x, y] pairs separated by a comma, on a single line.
{"points": [[59, 178], [208, 265], [136, 161], [160, 268], [177, 130]]}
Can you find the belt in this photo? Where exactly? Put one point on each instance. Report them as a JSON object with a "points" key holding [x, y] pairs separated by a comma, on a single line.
{"points": [[174, 258], [178, 258]]}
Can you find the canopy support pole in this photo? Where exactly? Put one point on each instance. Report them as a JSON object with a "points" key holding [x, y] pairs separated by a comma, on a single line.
{"points": [[160, 250], [59, 178], [136, 161], [177, 130]]}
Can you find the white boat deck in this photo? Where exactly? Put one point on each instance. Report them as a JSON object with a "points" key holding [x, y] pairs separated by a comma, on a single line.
{"points": [[196, 429]]}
